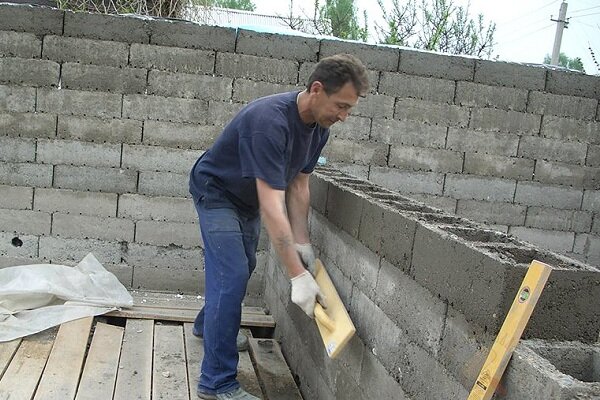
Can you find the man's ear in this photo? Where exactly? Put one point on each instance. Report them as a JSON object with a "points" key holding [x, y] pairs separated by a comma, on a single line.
{"points": [[317, 87]]}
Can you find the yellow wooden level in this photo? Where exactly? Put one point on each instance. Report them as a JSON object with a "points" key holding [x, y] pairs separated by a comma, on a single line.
{"points": [[511, 331]]}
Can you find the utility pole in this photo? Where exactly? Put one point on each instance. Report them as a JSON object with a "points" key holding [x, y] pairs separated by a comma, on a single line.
{"points": [[561, 23]]}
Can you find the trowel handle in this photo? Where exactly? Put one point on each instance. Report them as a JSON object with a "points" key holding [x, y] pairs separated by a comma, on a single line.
{"points": [[323, 317]]}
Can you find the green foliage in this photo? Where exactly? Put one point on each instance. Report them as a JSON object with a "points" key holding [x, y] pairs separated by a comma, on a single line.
{"points": [[339, 18], [565, 61]]}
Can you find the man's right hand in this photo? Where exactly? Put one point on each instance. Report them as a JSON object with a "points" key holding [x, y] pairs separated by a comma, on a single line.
{"points": [[306, 292]]}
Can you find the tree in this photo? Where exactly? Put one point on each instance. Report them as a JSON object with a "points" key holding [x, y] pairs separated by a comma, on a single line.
{"points": [[246, 5], [338, 18], [565, 61]]}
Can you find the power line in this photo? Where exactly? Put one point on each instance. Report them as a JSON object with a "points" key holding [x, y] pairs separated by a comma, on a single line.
{"points": [[584, 9], [584, 15], [509, 22], [513, 38]]}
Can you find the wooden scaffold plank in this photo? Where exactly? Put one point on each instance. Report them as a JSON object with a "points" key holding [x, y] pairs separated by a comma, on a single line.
{"points": [[169, 372], [273, 372], [194, 351], [7, 351]]}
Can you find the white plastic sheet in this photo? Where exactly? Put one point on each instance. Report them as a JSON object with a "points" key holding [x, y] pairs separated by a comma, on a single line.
{"points": [[40, 296]]}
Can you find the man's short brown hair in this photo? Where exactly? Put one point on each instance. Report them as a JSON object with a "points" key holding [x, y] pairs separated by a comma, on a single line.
{"points": [[335, 71]]}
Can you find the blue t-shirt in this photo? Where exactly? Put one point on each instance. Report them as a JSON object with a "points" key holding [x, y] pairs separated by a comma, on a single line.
{"points": [[266, 140]]}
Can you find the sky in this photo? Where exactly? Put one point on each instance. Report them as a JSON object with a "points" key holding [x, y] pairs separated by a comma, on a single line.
{"points": [[524, 30]]}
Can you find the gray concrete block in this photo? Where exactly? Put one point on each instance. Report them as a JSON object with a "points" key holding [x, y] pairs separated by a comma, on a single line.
{"points": [[397, 239], [478, 95], [245, 90], [186, 34], [170, 109], [72, 202], [359, 171], [190, 86], [408, 181], [78, 153], [92, 129], [591, 200], [498, 166], [170, 278], [123, 272], [17, 99], [58, 250], [571, 129], [430, 89], [588, 246], [445, 204], [469, 141], [546, 239], [164, 184], [445, 66], [6, 261], [16, 197], [263, 44], [478, 188], [85, 51], [26, 72], [593, 156], [138, 207], [492, 212], [376, 382], [510, 74], [154, 158], [27, 18], [118, 28], [92, 227], [364, 153], [25, 221], [558, 220], [28, 125], [373, 57], [164, 233], [220, 113], [431, 113], [567, 174], [375, 106], [553, 150], [573, 83], [17, 149], [538, 194], [172, 59], [423, 159], [97, 179], [318, 187], [370, 233], [18, 246], [491, 119], [103, 78], [344, 209], [562, 106], [178, 135], [25, 174], [354, 128], [78, 102], [20, 44], [140, 255], [257, 68], [408, 133]]}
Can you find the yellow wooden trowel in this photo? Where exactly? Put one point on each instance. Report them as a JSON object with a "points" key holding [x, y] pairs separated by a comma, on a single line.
{"points": [[334, 323]]}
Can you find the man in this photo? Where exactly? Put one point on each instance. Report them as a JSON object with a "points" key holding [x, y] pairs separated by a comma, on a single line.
{"points": [[260, 166]]}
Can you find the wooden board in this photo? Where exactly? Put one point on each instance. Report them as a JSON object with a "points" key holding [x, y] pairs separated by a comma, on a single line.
{"points": [[194, 351], [276, 378], [170, 380], [61, 375], [246, 373], [100, 370], [134, 378], [7, 351]]}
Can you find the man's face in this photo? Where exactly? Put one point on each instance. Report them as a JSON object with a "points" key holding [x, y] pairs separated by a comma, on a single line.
{"points": [[329, 109]]}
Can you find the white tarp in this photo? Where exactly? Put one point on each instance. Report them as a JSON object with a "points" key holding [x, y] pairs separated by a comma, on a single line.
{"points": [[40, 296]]}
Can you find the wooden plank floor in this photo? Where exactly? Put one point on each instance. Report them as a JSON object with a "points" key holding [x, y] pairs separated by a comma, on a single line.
{"points": [[129, 356]]}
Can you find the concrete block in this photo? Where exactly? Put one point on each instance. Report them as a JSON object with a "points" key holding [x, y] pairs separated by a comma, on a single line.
{"points": [[16, 149], [423, 159], [567, 174], [263, 44], [591, 200], [318, 187], [97, 179], [445, 66], [59, 250], [408, 133], [20, 44], [498, 166], [138, 207], [397, 239], [588, 246], [364, 153], [220, 113], [478, 95], [165, 32], [163, 233], [28, 125], [154, 158], [78, 153], [91, 227], [6, 261], [189, 86], [370, 233], [140, 255], [27, 18], [593, 156], [123, 272], [562, 106], [78, 102], [16, 197], [546, 239], [354, 128], [492, 212], [142, 107], [17, 99], [491, 119], [558, 220], [478, 188], [380, 58], [510, 74], [170, 278], [377, 383], [117, 28], [538, 194], [344, 209], [25, 174], [72, 202], [85, 51], [445, 204], [178, 135], [375, 106], [172, 59], [164, 184], [431, 113], [552, 150], [571, 129], [573, 83], [26, 72], [307, 68], [430, 89], [18, 246], [408, 181], [92, 129], [257, 68], [25, 221], [470, 141], [103, 78], [360, 171], [245, 90]]}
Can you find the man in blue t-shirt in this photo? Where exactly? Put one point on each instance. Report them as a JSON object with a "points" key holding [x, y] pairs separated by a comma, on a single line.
{"points": [[260, 166]]}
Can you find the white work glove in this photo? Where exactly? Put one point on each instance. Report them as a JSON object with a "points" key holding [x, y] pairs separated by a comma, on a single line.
{"points": [[306, 292], [307, 254]]}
